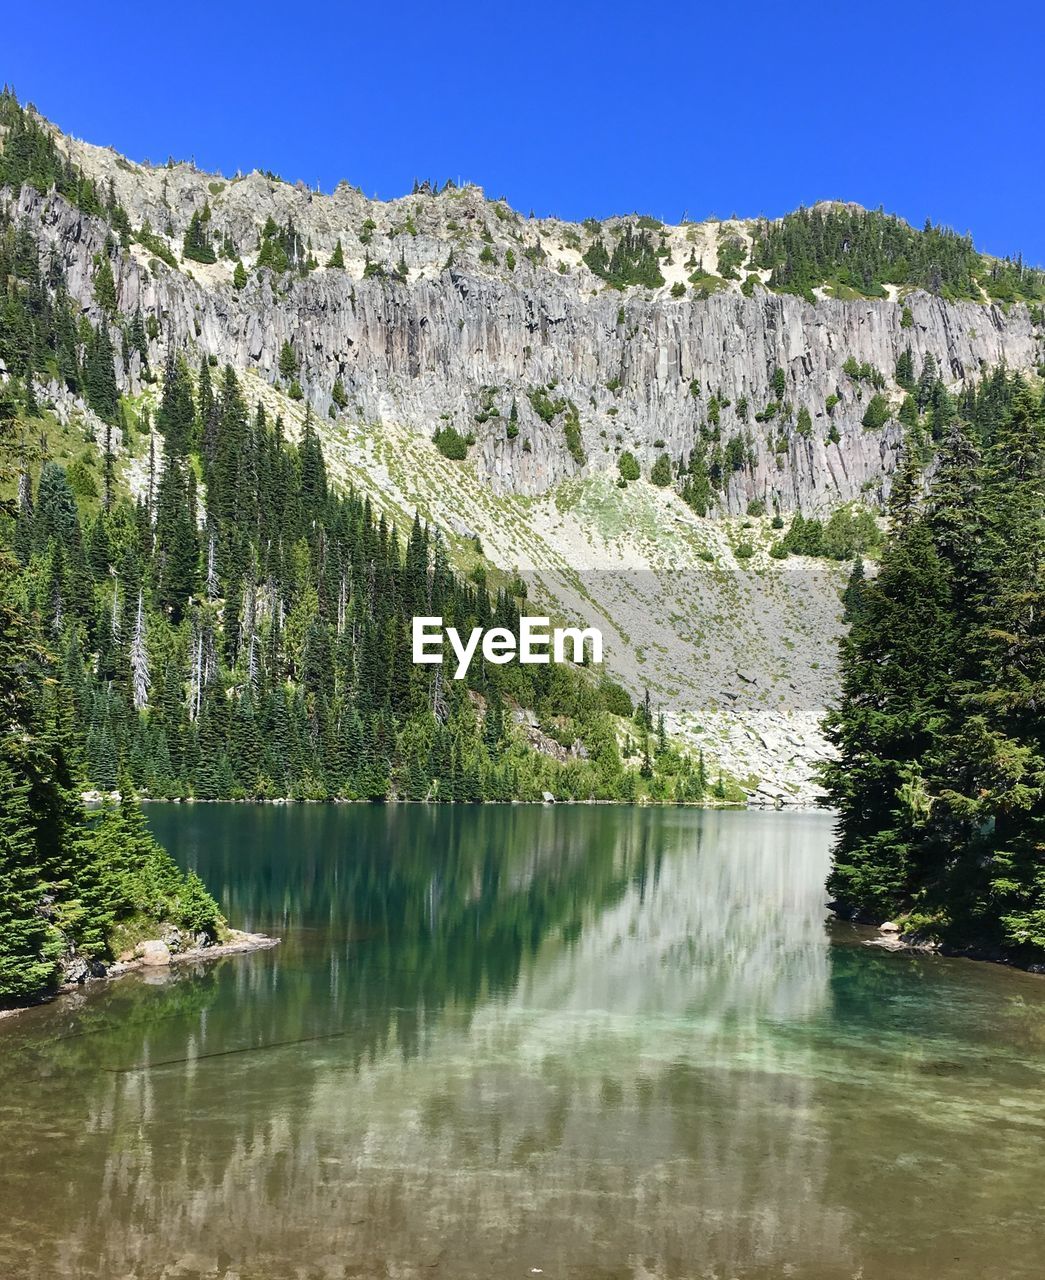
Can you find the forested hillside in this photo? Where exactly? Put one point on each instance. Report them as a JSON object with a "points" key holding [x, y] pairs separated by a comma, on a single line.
{"points": [[73, 889], [243, 629], [940, 776]]}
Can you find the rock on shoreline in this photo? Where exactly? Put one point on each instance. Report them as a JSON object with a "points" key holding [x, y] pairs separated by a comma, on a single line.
{"points": [[154, 953], [158, 952], [891, 937]]}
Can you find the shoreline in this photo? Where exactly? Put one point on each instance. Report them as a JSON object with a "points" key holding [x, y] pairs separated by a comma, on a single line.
{"points": [[889, 938], [240, 943], [748, 804]]}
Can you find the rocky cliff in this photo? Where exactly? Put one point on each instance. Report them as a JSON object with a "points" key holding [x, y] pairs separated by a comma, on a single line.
{"points": [[451, 307]]}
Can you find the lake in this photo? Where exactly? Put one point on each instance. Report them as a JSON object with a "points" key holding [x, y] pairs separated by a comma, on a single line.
{"points": [[586, 1042]]}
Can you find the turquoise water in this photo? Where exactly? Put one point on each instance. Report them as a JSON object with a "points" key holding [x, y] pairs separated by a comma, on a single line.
{"points": [[511, 1041]]}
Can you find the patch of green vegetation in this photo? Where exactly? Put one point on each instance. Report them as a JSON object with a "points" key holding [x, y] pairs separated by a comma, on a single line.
{"points": [[632, 260], [877, 413], [155, 244], [732, 252], [850, 531], [857, 252], [548, 407], [628, 466], [451, 444], [706, 284]]}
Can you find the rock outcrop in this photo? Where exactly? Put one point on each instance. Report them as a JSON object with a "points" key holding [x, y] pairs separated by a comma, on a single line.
{"points": [[463, 335]]}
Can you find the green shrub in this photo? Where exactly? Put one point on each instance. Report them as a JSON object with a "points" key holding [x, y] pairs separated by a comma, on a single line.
{"points": [[543, 405], [661, 473], [571, 426], [451, 444], [877, 413], [738, 453], [731, 254], [849, 531], [628, 466], [155, 244]]}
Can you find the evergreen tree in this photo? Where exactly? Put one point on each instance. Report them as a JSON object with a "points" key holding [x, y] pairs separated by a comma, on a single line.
{"points": [[940, 777], [196, 245]]}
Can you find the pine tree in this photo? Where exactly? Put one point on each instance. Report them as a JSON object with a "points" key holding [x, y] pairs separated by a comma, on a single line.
{"points": [[30, 944], [196, 244], [288, 361], [105, 287]]}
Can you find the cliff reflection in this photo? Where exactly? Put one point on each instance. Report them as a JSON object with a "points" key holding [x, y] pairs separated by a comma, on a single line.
{"points": [[492, 1039]]}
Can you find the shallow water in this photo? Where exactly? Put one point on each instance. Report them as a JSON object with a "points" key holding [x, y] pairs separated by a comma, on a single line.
{"points": [[510, 1041]]}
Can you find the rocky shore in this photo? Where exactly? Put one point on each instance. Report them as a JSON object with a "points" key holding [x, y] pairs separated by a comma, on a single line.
{"points": [[154, 953], [890, 937]]}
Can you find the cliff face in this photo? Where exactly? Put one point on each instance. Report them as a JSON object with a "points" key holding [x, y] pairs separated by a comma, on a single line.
{"points": [[494, 306]]}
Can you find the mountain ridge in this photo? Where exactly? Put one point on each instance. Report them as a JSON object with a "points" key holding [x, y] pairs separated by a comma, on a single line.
{"points": [[760, 400]]}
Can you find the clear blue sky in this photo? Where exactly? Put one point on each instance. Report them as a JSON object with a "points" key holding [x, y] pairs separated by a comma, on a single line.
{"points": [[574, 109]]}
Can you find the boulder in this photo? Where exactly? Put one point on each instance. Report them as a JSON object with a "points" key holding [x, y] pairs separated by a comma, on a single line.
{"points": [[889, 926], [155, 952], [76, 970], [172, 937]]}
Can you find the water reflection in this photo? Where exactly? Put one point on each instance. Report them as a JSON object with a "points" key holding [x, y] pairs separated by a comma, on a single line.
{"points": [[595, 1042]]}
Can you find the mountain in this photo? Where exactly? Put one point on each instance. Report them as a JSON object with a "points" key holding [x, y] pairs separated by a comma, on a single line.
{"points": [[503, 375]]}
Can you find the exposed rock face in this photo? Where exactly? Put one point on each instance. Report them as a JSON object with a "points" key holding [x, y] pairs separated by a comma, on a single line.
{"points": [[461, 335]]}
